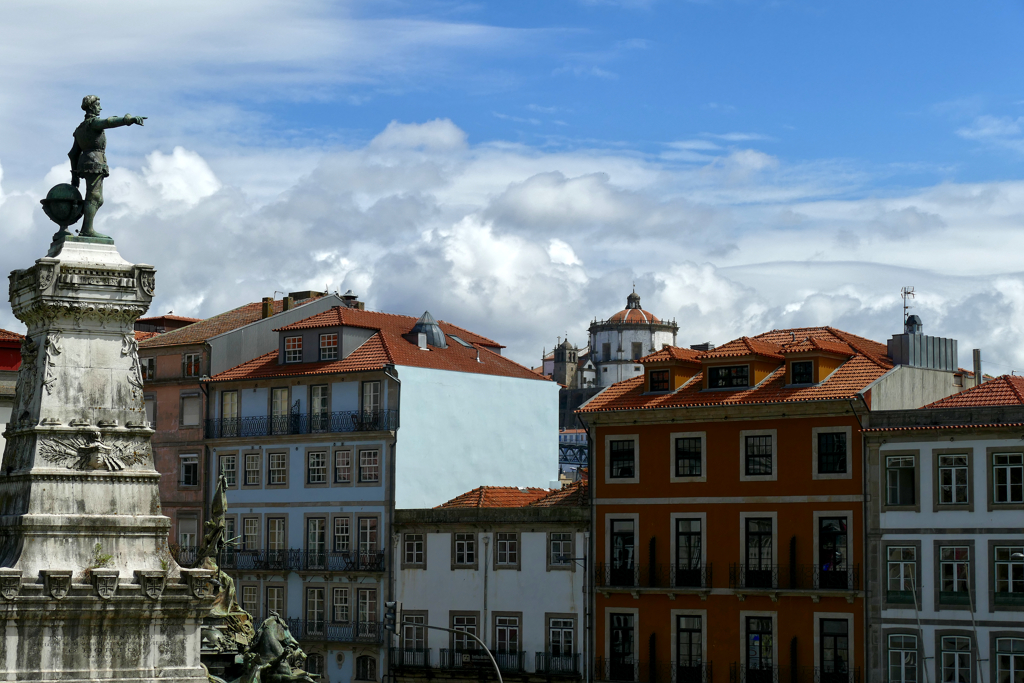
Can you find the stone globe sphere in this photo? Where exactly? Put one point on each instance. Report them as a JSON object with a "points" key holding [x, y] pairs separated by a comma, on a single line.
{"points": [[63, 204]]}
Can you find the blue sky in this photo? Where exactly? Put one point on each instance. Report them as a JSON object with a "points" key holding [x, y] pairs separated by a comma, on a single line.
{"points": [[515, 167]]}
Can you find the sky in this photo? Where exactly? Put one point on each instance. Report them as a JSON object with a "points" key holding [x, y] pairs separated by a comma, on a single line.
{"points": [[516, 168]]}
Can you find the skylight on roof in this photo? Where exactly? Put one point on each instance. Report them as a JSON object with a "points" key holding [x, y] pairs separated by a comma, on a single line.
{"points": [[466, 344]]}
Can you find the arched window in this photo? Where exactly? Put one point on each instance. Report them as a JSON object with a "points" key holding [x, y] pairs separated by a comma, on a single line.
{"points": [[315, 664], [366, 668]]}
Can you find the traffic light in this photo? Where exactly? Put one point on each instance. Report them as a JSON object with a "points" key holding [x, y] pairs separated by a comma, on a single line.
{"points": [[390, 615]]}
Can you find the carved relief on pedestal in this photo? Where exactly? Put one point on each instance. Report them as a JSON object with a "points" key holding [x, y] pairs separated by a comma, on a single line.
{"points": [[57, 581], [152, 582], [10, 583], [147, 280], [44, 275], [44, 313], [104, 581], [53, 347], [130, 348], [199, 582], [87, 451]]}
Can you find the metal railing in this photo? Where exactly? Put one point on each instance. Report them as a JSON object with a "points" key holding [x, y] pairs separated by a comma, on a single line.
{"points": [[351, 632], [687, 576], [828, 675], [302, 423], [294, 559], [793, 577], [547, 663], [786, 674], [652, 576], [767, 674], [954, 598], [410, 658], [691, 673], [1009, 598], [899, 597], [471, 659]]}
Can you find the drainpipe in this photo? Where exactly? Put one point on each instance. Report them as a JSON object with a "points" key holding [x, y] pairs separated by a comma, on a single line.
{"points": [[487, 544]]}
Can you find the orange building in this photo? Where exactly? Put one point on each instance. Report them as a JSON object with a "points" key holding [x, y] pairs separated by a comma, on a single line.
{"points": [[728, 503]]}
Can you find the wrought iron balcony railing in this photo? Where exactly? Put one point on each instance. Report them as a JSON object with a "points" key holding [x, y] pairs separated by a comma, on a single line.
{"points": [[688, 672], [793, 577], [611, 575], [302, 423], [831, 675], [548, 663], [689, 576], [351, 632], [406, 658], [474, 659], [800, 674], [293, 559]]}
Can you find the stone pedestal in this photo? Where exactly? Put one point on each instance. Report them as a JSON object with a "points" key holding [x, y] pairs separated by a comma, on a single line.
{"points": [[88, 589]]}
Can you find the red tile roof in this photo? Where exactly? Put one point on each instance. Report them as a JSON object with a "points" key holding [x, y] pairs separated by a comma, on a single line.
{"points": [[1006, 390], [496, 497], [143, 336], [7, 335], [867, 363], [633, 315], [387, 347], [200, 331], [168, 317], [571, 495], [674, 353]]}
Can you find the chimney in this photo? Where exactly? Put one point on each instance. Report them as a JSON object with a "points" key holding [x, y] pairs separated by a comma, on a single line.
{"points": [[268, 306], [977, 367], [421, 341], [287, 303]]}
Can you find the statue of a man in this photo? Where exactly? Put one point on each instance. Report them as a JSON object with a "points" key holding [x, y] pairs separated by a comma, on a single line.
{"points": [[89, 159]]}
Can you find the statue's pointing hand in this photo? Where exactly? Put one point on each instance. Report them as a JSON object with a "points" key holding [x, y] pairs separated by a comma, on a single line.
{"points": [[138, 120]]}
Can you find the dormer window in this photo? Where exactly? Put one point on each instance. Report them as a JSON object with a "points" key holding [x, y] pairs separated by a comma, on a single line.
{"points": [[293, 349], [802, 371], [731, 376], [659, 380]]}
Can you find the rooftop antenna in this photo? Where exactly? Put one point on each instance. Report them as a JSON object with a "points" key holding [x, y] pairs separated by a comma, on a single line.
{"points": [[906, 293]]}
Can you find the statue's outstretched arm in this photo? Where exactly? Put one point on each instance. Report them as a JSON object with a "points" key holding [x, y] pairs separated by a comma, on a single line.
{"points": [[117, 121]]}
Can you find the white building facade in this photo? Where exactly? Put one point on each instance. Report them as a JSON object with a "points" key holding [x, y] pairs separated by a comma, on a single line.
{"points": [[945, 542], [618, 343]]}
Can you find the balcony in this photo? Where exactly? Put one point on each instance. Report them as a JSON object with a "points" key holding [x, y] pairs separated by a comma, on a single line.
{"points": [[609, 575], [402, 658], [564, 665], [302, 423], [508, 662], [955, 598], [1009, 599], [785, 674], [352, 632], [809, 577], [286, 560]]}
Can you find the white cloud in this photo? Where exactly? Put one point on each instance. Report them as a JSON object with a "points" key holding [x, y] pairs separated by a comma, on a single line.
{"points": [[436, 135]]}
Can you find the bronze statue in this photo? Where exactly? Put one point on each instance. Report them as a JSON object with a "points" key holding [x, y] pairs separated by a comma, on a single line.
{"points": [[88, 157]]}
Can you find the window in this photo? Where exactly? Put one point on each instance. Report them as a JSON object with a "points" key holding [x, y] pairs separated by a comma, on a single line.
{"points": [[293, 349], [802, 372], [659, 380], [413, 548], [151, 411], [339, 606], [622, 459], [229, 468], [278, 469], [900, 480], [191, 365], [279, 419], [316, 467], [414, 635], [1009, 660], [1008, 477], [560, 637], [315, 664], [638, 350], [315, 610], [366, 668], [191, 411], [250, 599], [560, 548], [275, 534], [189, 470], [367, 535], [1009, 573], [343, 467], [759, 553], [956, 659], [759, 643], [506, 635], [902, 572], [319, 408], [688, 553], [902, 659], [954, 573], [689, 647], [187, 532], [275, 600], [465, 549], [148, 368], [371, 397], [621, 661], [758, 460], [508, 549], [316, 536], [464, 624], [834, 644], [688, 457], [228, 413], [606, 351], [369, 466], [328, 346], [733, 376], [252, 469], [832, 453], [623, 561], [368, 609], [953, 488], [250, 533], [342, 535]]}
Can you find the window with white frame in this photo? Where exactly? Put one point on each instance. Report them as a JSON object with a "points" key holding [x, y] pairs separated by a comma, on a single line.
{"points": [[1008, 477], [506, 634], [465, 548], [250, 599], [508, 549], [252, 469], [151, 411], [561, 637], [463, 624], [328, 346], [340, 613], [414, 632], [1009, 573], [953, 489], [560, 549], [368, 607], [902, 659], [316, 609], [414, 548], [148, 368], [316, 469], [832, 453], [229, 468], [369, 466], [342, 467], [275, 600], [758, 455], [371, 397], [251, 534], [622, 459], [191, 365], [280, 420], [688, 456], [188, 531], [367, 535], [735, 376], [278, 475], [954, 573], [955, 660], [1009, 660], [319, 407], [275, 534], [902, 573], [293, 349], [342, 534], [900, 477], [366, 668], [315, 664], [189, 469]]}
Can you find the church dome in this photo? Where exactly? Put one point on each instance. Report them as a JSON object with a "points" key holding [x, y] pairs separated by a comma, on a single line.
{"points": [[632, 313]]}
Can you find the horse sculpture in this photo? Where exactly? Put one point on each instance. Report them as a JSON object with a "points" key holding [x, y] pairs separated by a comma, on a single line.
{"points": [[275, 656]]}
